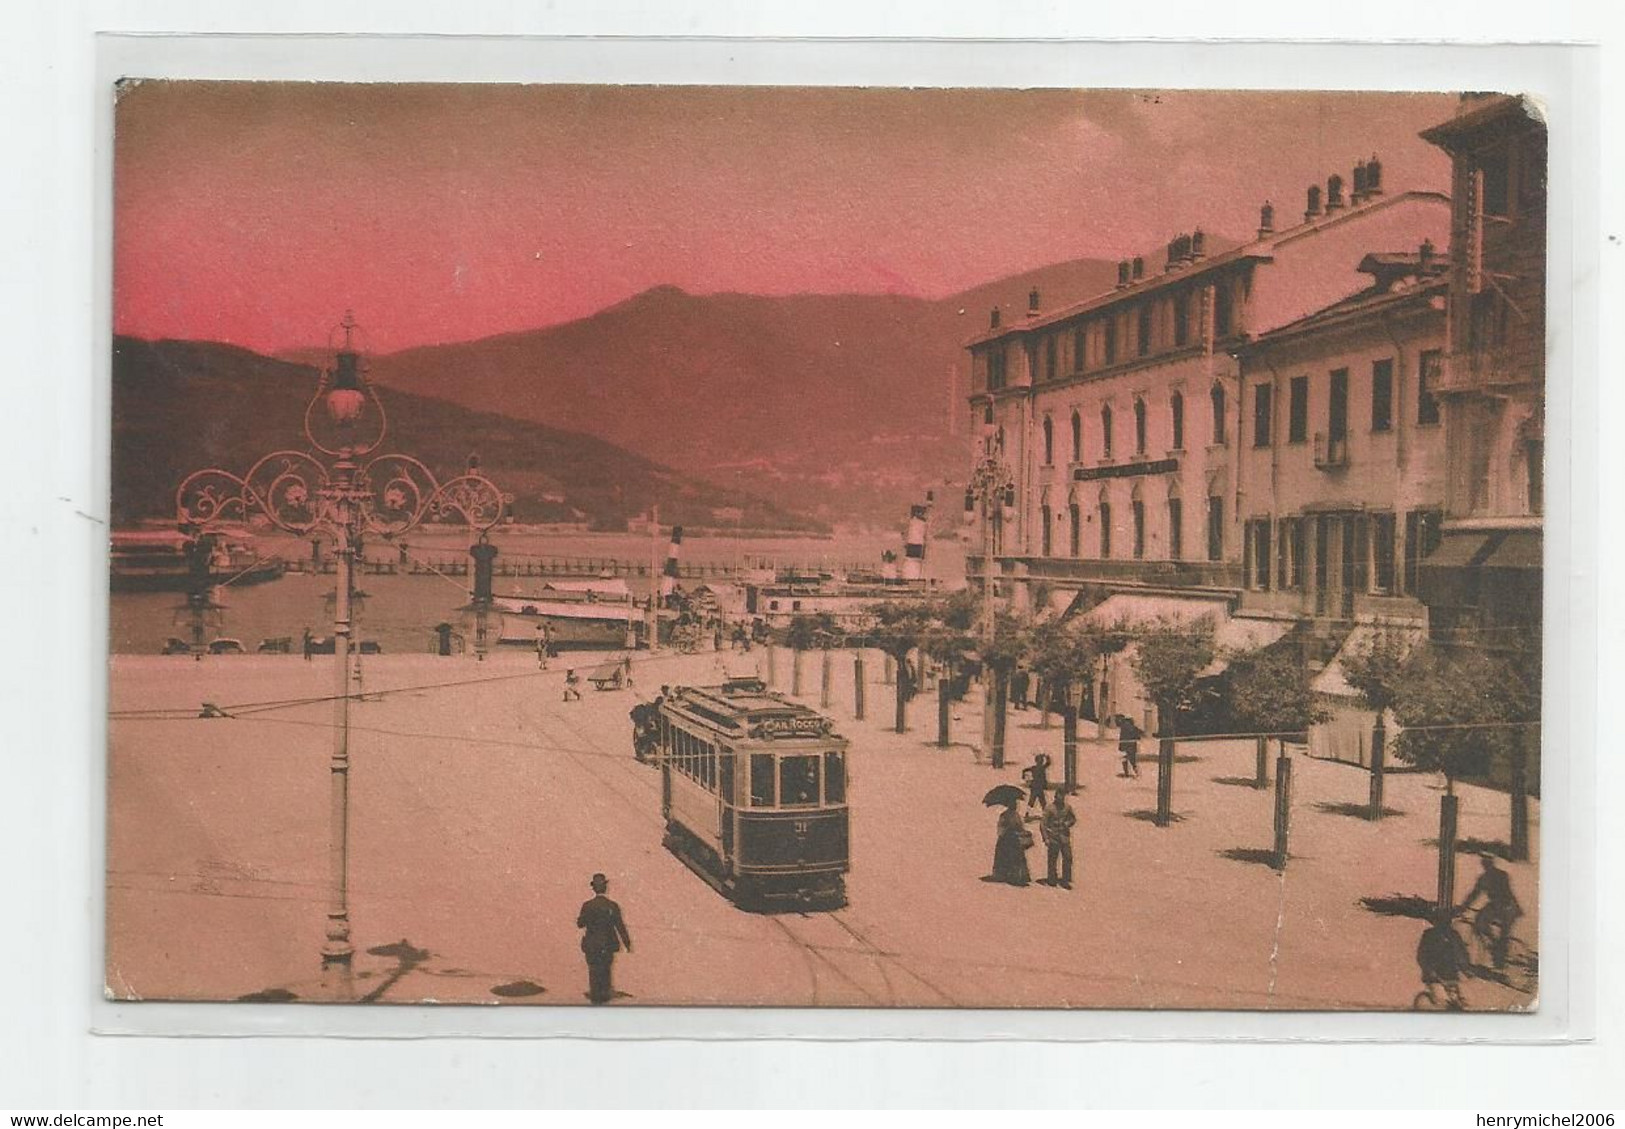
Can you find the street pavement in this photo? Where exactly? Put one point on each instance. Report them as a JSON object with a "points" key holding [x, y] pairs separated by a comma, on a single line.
{"points": [[481, 803]]}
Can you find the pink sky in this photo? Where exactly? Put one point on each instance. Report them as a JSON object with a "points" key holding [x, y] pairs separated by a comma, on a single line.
{"points": [[256, 213]]}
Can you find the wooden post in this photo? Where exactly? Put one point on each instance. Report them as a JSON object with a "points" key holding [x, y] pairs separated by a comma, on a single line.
{"points": [[1447, 853], [857, 685], [1001, 703], [795, 671], [1379, 754], [1520, 802], [944, 706], [826, 670], [1283, 808], [1261, 762], [1069, 743], [1165, 781], [900, 719]]}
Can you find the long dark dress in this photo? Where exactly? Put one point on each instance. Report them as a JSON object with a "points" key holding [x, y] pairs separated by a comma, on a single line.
{"points": [[1009, 856]]}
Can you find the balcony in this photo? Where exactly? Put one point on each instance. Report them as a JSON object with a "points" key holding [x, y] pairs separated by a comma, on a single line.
{"points": [[1331, 453]]}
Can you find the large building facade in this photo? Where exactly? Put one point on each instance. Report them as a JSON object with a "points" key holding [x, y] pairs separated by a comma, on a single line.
{"points": [[1483, 585], [1253, 435]]}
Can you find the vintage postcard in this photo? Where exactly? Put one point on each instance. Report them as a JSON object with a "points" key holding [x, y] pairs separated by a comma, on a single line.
{"points": [[826, 547]]}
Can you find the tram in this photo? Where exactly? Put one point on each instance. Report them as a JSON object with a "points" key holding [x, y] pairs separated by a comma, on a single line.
{"points": [[754, 794]]}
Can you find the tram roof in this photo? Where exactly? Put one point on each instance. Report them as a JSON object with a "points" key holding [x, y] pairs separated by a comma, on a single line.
{"points": [[742, 704]]}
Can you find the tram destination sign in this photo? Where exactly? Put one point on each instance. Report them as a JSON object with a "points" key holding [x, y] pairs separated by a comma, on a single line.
{"points": [[1125, 470], [791, 727]]}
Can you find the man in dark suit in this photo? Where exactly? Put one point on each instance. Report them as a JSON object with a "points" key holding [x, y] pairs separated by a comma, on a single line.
{"points": [[605, 936]]}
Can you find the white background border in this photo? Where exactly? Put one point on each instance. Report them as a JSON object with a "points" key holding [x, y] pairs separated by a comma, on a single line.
{"points": [[54, 286]]}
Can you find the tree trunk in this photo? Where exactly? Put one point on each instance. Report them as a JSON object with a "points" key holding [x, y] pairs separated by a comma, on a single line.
{"points": [[1447, 852], [1379, 757], [900, 722], [1283, 809], [857, 684], [1001, 702], [1519, 839], [795, 671], [1069, 743], [1165, 776], [944, 706]]}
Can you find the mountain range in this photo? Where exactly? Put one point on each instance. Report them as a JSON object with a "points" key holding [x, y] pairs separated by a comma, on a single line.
{"points": [[179, 406], [793, 412], [845, 407]]}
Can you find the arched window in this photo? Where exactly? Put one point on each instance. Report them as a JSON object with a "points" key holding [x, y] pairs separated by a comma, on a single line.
{"points": [[1046, 519], [1176, 411], [987, 415], [1106, 431], [1049, 441], [1077, 437], [1176, 522], [1074, 540], [1137, 510], [1139, 426], [1104, 510], [999, 436], [1218, 415]]}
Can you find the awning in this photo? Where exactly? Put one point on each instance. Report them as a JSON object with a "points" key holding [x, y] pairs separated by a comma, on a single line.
{"points": [[1456, 550], [1134, 610], [1331, 681], [1240, 634], [1517, 549]]}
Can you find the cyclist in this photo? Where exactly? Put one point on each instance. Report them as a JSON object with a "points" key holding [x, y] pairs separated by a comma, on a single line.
{"points": [[1442, 957], [1494, 919]]}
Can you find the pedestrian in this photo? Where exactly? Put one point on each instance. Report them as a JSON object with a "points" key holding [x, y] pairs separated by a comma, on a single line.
{"points": [[309, 644], [541, 646], [604, 935], [572, 686], [626, 672], [716, 636], [1037, 778], [1019, 682], [1441, 955], [1056, 828], [1128, 743], [1010, 849]]}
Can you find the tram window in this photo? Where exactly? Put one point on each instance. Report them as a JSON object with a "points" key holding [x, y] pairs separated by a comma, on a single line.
{"points": [[761, 780], [798, 781], [834, 778], [725, 775], [710, 763]]}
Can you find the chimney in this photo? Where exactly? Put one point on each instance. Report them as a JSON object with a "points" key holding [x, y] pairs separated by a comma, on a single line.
{"points": [[1266, 220], [1032, 302], [1334, 193], [1138, 268], [993, 318], [1122, 274], [1198, 245], [1358, 195], [1313, 209], [1373, 176], [1173, 254]]}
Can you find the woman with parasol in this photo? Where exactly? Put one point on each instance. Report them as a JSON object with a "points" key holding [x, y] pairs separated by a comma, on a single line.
{"points": [[1010, 849]]}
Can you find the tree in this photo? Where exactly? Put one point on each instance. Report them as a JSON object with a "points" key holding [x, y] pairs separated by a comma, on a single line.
{"points": [[1461, 709], [1063, 655], [898, 628], [1269, 693], [1169, 659], [1376, 669]]}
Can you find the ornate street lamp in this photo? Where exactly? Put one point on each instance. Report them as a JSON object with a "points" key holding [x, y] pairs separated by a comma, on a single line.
{"points": [[351, 493], [991, 486]]}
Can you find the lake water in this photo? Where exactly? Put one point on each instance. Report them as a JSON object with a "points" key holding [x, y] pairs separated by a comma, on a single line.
{"points": [[400, 612]]}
